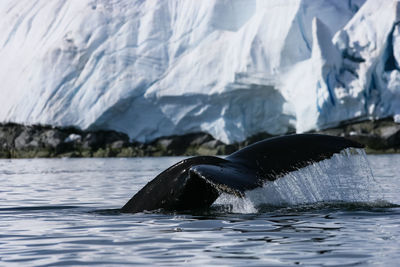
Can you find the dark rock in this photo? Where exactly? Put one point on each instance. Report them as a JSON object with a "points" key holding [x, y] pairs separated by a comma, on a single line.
{"points": [[46, 141], [101, 139], [8, 133], [200, 138], [26, 139], [227, 149], [118, 144], [52, 138], [180, 145], [380, 135], [255, 138], [391, 135], [165, 144], [213, 144]]}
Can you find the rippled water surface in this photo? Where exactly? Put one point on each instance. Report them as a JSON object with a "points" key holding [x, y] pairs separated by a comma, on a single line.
{"points": [[56, 212]]}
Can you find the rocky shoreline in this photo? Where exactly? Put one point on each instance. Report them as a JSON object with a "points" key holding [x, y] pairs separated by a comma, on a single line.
{"points": [[43, 141]]}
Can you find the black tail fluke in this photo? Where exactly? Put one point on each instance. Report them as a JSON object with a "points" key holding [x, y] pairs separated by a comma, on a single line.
{"points": [[197, 182]]}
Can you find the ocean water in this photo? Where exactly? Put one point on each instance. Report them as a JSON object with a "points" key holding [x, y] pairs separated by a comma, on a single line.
{"points": [[64, 212]]}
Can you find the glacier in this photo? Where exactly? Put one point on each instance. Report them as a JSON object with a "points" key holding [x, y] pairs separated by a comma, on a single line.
{"points": [[228, 68]]}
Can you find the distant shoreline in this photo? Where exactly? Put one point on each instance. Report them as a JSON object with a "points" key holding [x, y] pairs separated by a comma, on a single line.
{"points": [[42, 141]]}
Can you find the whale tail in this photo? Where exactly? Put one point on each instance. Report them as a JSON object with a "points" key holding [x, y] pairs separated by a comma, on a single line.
{"points": [[176, 188], [197, 182]]}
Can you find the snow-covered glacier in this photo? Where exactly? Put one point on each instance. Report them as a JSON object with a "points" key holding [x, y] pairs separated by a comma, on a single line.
{"points": [[231, 68]]}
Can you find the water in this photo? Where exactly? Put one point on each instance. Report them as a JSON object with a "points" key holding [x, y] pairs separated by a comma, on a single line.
{"points": [[56, 212]]}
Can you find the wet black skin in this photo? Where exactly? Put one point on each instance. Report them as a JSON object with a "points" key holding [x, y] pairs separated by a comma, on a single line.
{"points": [[197, 182]]}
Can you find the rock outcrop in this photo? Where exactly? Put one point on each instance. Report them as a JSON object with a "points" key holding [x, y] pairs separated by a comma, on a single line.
{"points": [[20, 141]]}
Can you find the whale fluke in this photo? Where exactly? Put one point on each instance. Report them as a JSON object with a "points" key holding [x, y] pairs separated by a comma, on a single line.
{"points": [[197, 182]]}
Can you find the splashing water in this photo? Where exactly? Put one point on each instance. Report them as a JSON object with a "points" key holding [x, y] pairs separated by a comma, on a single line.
{"points": [[346, 177]]}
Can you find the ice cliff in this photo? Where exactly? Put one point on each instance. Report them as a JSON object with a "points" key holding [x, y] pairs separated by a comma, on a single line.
{"points": [[230, 68]]}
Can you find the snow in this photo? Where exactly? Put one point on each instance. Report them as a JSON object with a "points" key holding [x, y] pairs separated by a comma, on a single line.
{"points": [[229, 68], [72, 138]]}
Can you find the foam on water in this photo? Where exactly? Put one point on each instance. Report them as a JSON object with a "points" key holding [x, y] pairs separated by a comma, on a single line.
{"points": [[345, 177]]}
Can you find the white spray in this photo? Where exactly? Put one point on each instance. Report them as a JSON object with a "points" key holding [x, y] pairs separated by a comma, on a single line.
{"points": [[345, 177]]}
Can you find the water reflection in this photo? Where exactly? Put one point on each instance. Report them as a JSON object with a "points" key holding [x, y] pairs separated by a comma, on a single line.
{"points": [[53, 213]]}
